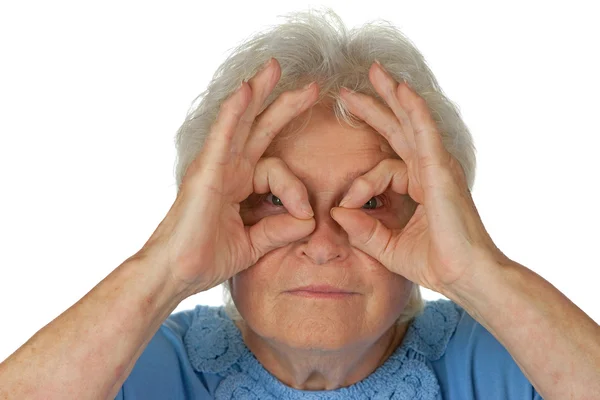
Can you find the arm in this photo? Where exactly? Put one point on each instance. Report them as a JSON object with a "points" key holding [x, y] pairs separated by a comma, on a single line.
{"points": [[556, 345], [89, 350]]}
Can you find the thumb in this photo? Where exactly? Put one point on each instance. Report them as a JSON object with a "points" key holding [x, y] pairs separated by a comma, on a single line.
{"points": [[365, 233], [276, 231]]}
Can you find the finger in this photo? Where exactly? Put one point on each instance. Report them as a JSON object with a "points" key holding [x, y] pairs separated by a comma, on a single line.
{"points": [[382, 119], [271, 121], [222, 132], [273, 175], [389, 173], [412, 110], [262, 84], [386, 86], [366, 233], [276, 231]]}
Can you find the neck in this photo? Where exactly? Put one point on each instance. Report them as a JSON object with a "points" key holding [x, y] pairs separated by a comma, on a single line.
{"points": [[314, 369]]}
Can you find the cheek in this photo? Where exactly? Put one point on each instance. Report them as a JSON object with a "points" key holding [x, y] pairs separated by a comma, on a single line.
{"points": [[384, 282], [398, 287], [373, 267], [390, 292], [259, 278], [381, 277]]}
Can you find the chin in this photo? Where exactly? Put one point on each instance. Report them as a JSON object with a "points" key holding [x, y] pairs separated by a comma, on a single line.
{"points": [[320, 339], [320, 331]]}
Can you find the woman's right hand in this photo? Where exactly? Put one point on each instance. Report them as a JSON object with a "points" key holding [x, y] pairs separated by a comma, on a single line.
{"points": [[202, 239]]}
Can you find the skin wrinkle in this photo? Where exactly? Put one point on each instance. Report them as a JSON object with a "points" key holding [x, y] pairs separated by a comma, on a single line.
{"points": [[323, 344]]}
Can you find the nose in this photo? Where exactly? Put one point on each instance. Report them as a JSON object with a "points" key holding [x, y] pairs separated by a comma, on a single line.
{"points": [[328, 242]]}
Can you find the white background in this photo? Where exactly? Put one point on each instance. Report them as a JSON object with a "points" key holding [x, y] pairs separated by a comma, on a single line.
{"points": [[92, 93]]}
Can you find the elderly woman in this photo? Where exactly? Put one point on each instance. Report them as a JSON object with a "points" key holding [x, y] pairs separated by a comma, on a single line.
{"points": [[323, 178]]}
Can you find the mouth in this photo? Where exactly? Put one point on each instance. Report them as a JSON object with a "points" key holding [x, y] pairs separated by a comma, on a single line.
{"points": [[321, 292]]}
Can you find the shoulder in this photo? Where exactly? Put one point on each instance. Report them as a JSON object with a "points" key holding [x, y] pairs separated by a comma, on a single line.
{"points": [[430, 331], [163, 370], [475, 364], [213, 342]]}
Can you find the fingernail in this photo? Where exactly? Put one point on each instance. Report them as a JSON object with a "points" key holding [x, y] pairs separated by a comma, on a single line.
{"points": [[344, 201], [239, 86], [266, 65], [381, 68], [308, 211], [309, 86], [345, 89]]}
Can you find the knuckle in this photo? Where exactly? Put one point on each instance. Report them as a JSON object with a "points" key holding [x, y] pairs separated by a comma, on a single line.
{"points": [[229, 108], [264, 125], [391, 129], [267, 131], [363, 184], [427, 160], [403, 119]]}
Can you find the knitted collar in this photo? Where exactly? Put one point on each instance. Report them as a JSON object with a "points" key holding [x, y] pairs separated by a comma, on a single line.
{"points": [[214, 345]]}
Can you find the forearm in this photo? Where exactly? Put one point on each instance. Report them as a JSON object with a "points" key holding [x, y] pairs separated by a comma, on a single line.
{"points": [[556, 345], [89, 350]]}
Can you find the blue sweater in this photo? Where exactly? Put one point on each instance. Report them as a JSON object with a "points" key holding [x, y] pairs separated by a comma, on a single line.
{"points": [[445, 354]]}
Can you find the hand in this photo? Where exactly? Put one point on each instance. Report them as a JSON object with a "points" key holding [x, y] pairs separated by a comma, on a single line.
{"points": [[202, 239], [445, 240]]}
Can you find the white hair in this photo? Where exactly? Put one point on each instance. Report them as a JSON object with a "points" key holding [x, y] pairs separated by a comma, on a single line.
{"points": [[316, 45]]}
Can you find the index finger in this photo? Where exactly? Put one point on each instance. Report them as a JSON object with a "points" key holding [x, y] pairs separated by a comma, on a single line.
{"points": [[272, 120], [412, 110], [382, 119]]}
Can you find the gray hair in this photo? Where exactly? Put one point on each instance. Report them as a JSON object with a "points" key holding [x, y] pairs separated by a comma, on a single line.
{"points": [[316, 45]]}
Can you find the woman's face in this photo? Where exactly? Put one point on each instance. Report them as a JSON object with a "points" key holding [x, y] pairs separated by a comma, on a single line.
{"points": [[326, 157]]}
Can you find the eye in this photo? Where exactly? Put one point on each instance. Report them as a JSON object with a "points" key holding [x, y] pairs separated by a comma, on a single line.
{"points": [[372, 204], [273, 200]]}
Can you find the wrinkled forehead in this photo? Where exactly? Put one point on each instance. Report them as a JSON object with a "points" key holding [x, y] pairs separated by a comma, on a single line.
{"points": [[327, 155], [318, 132]]}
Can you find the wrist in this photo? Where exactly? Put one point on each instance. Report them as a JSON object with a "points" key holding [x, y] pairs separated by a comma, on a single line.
{"points": [[157, 275], [473, 288]]}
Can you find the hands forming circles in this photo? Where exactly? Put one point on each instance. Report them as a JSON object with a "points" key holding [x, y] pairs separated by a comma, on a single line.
{"points": [[445, 241], [204, 241]]}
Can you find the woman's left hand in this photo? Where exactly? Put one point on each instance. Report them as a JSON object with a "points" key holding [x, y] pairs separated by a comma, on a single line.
{"points": [[445, 242]]}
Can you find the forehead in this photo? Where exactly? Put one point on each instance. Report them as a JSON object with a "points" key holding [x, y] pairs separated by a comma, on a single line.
{"points": [[318, 137]]}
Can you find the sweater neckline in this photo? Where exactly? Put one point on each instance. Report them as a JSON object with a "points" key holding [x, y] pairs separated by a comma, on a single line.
{"points": [[215, 345]]}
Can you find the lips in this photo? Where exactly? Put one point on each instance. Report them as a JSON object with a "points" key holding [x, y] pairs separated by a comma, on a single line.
{"points": [[321, 289]]}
